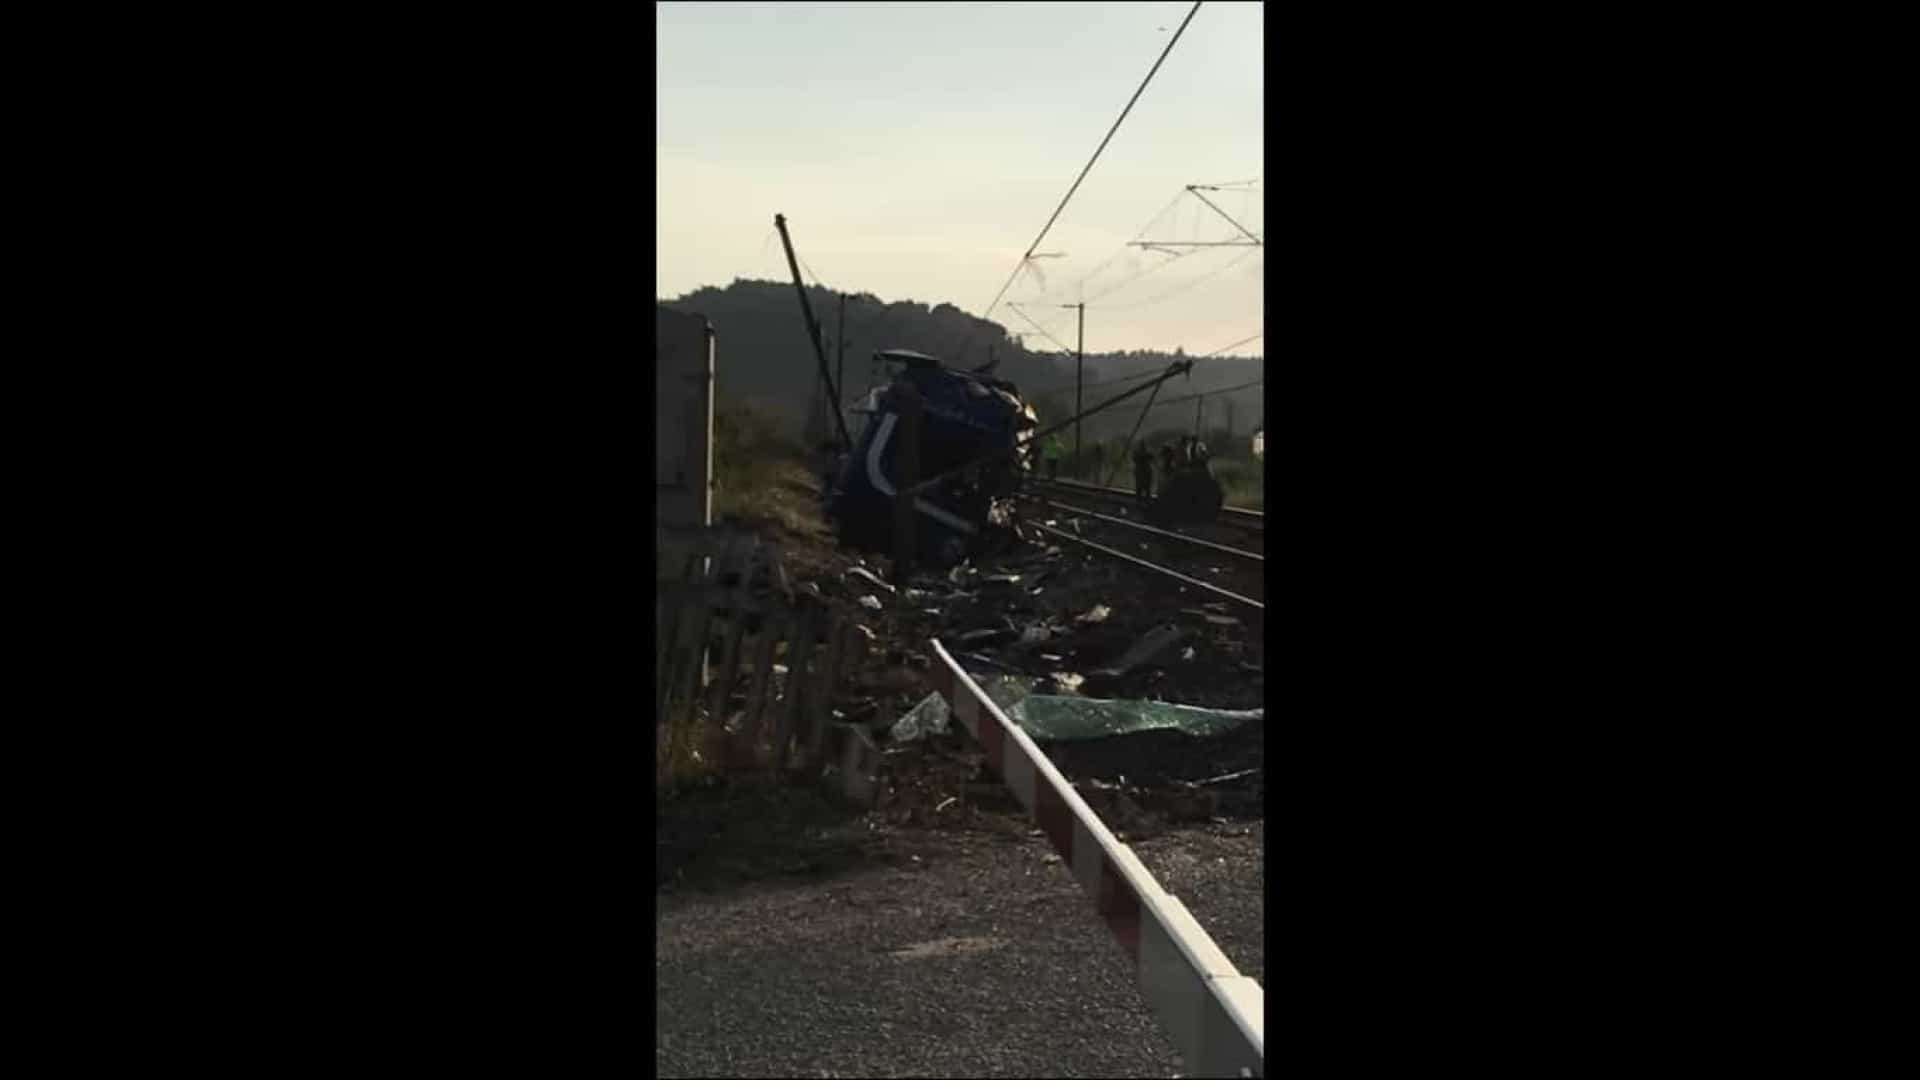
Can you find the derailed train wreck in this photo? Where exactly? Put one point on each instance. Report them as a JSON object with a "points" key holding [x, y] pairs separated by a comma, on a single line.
{"points": [[973, 431], [969, 457]]}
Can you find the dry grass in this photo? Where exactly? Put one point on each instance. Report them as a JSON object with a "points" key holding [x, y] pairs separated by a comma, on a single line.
{"points": [[1243, 481], [762, 484], [699, 751]]}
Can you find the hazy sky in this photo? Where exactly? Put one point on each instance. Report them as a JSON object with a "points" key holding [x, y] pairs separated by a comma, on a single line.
{"points": [[917, 148]]}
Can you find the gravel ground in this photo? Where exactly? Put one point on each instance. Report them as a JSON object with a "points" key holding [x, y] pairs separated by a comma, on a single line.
{"points": [[954, 954]]}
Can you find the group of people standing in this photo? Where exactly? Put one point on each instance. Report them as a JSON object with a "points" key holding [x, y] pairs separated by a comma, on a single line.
{"points": [[1178, 455], [1188, 452]]}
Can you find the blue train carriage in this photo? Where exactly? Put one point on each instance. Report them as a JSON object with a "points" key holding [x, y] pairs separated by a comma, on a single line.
{"points": [[965, 417]]}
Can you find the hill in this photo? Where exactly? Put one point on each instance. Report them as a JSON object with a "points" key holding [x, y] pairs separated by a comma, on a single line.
{"points": [[764, 360]]}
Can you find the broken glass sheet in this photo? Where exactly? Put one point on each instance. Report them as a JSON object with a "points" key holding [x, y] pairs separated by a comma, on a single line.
{"points": [[1054, 718]]}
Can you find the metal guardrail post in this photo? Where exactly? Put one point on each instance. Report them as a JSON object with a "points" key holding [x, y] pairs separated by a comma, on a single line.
{"points": [[1213, 1014]]}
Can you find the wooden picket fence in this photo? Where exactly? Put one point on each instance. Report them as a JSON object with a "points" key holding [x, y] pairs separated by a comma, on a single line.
{"points": [[725, 613]]}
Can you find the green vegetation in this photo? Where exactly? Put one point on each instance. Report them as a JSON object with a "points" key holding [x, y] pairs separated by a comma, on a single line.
{"points": [[749, 444], [764, 478], [763, 357]]}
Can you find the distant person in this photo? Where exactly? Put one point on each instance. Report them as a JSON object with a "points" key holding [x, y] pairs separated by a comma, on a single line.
{"points": [[1142, 473], [1166, 465], [1052, 451]]}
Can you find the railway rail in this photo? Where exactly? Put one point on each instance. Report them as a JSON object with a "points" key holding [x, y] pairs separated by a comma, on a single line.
{"points": [[1224, 549], [1238, 516], [1164, 571], [1178, 556]]}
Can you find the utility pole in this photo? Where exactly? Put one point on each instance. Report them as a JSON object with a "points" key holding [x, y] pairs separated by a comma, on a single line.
{"points": [[840, 375], [813, 328], [1079, 361], [1229, 419]]}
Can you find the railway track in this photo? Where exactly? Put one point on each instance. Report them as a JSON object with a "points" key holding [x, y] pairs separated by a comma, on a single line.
{"points": [[1232, 572], [1237, 516]]}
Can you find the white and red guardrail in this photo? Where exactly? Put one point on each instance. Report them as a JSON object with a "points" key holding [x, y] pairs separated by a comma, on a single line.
{"points": [[1213, 1014]]}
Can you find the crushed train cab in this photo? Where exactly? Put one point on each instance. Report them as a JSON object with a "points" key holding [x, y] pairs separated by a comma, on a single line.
{"points": [[965, 417]]}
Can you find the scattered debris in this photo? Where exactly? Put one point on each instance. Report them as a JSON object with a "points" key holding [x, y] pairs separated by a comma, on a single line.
{"points": [[1223, 620], [1223, 779], [1036, 633], [1056, 718], [871, 636], [1098, 613], [1068, 681], [946, 802], [871, 601], [869, 576], [927, 718], [1187, 654], [1002, 579], [1155, 642], [990, 633]]}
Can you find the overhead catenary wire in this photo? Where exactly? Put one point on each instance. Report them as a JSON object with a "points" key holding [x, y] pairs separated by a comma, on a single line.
{"points": [[1191, 247], [1037, 326], [1080, 285], [1155, 268], [1210, 393], [1035, 246], [1178, 289], [1142, 375]]}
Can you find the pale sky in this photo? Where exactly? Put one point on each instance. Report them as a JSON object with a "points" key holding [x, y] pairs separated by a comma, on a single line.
{"points": [[917, 148]]}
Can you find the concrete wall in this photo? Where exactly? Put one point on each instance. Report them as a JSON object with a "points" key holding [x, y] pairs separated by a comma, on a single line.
{"points": [[683, 418]]}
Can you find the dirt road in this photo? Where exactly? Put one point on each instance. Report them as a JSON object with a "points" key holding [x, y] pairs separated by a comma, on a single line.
{"points": [[869, 952]]}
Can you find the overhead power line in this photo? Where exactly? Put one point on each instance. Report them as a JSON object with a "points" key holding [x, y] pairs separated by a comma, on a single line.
{"points": [[1178, 289], [1143, 375], [1151, 222], [1037, 326], [1235, 345], [1209, 393], [1035, 246]]}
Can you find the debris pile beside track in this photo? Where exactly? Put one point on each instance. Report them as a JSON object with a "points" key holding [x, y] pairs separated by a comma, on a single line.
{"points": [[1058, 619], [1047, 616]]}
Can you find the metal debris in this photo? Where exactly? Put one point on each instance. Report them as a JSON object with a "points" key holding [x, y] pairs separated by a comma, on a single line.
{"points": [[1222, 779], [928, 717], [1152, 644], [1098, 613], [870, 577], [871, 601]]}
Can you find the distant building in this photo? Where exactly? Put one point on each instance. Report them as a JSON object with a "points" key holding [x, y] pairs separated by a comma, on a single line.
{"points": [[1260, 443]]}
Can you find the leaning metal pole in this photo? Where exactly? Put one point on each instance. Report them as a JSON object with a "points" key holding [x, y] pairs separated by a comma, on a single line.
{"points": [[813, 330]]}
